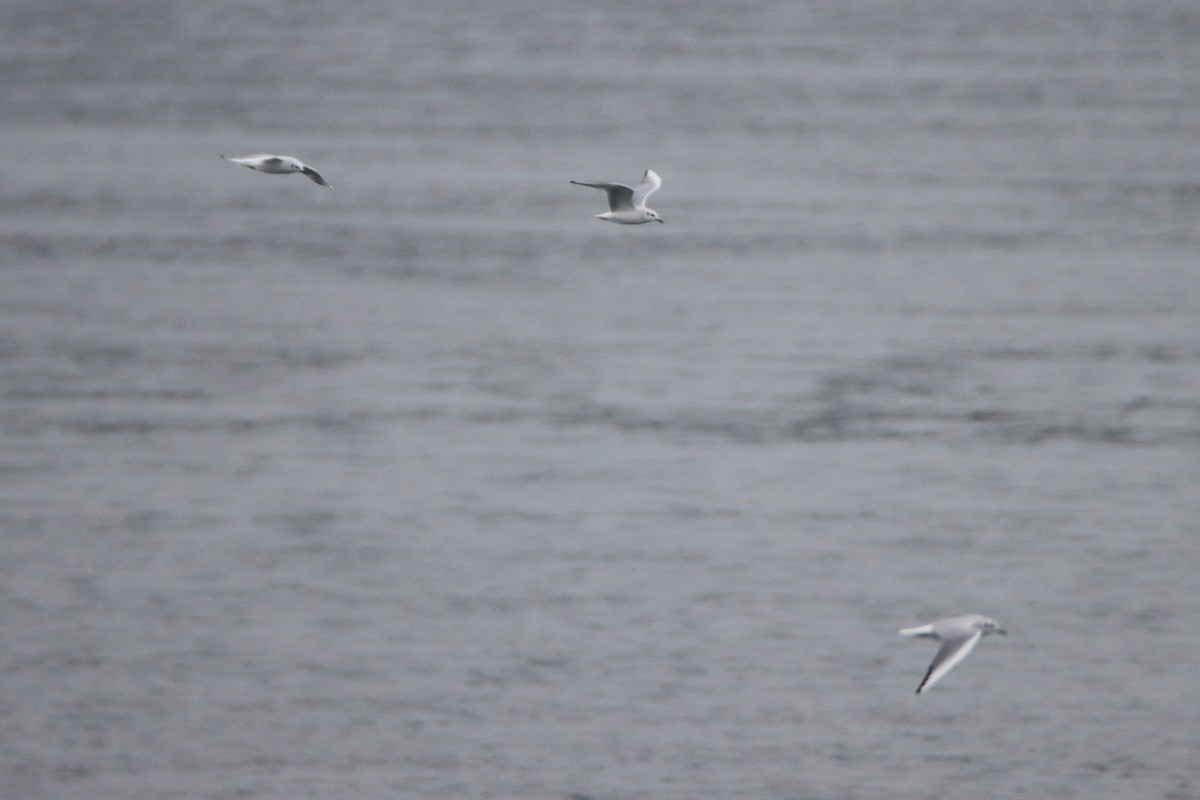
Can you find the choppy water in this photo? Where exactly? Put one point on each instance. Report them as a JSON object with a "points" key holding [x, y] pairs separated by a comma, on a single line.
{"points": [[433, 486]]}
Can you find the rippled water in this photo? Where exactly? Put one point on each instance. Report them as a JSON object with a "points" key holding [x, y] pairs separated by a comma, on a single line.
{"points": [[434, 486]]}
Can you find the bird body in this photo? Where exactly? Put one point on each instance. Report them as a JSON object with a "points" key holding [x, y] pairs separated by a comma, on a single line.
{"points": [[627, 206], [958, 636], [277, 165]]}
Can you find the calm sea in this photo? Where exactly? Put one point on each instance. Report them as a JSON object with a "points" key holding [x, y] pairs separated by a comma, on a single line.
{"points": [[432, 486]]}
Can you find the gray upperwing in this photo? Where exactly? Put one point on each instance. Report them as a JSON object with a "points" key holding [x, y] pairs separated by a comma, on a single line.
{"points": [[312, 173], [254, 162], [620, 197]]}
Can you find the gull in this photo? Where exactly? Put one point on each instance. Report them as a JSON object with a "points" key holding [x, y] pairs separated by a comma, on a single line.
{"points": [[958, 636], [628, 206], [277, 165]]}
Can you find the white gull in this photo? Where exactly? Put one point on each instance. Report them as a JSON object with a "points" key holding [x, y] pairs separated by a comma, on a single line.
{"points": [[627, 206], [277, 165], [958, 636]]}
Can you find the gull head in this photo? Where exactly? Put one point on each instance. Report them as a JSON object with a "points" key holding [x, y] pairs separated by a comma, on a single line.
{"points": [[652, 215], [988, 625]]}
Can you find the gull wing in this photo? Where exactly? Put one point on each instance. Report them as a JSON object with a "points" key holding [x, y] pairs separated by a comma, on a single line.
{"points": [[952, 651], [312, 173], [254, 161], [925, 631], [648, 186], [620, 196]]}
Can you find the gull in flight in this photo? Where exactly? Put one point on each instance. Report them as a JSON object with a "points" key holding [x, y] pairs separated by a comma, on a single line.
{"points": [[958, 636], [278, 165], [628, 206]]}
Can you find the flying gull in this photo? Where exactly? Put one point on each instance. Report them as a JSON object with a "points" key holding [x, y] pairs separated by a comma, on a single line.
{"points": [[278, 165], [958, 636], [628, 206]]}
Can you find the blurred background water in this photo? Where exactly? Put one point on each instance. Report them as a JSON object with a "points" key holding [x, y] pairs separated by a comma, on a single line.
{"points": [[431, 485]]}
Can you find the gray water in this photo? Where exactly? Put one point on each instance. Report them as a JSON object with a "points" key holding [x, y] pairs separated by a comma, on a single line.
{"points": [[433, 486]]}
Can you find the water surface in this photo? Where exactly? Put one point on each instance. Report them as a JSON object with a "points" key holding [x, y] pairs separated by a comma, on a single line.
{"points": [[433, 486]]}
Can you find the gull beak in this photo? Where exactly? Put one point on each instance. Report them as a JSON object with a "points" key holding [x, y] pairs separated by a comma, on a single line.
{"points": [[1001, 631], [660, 219]]}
